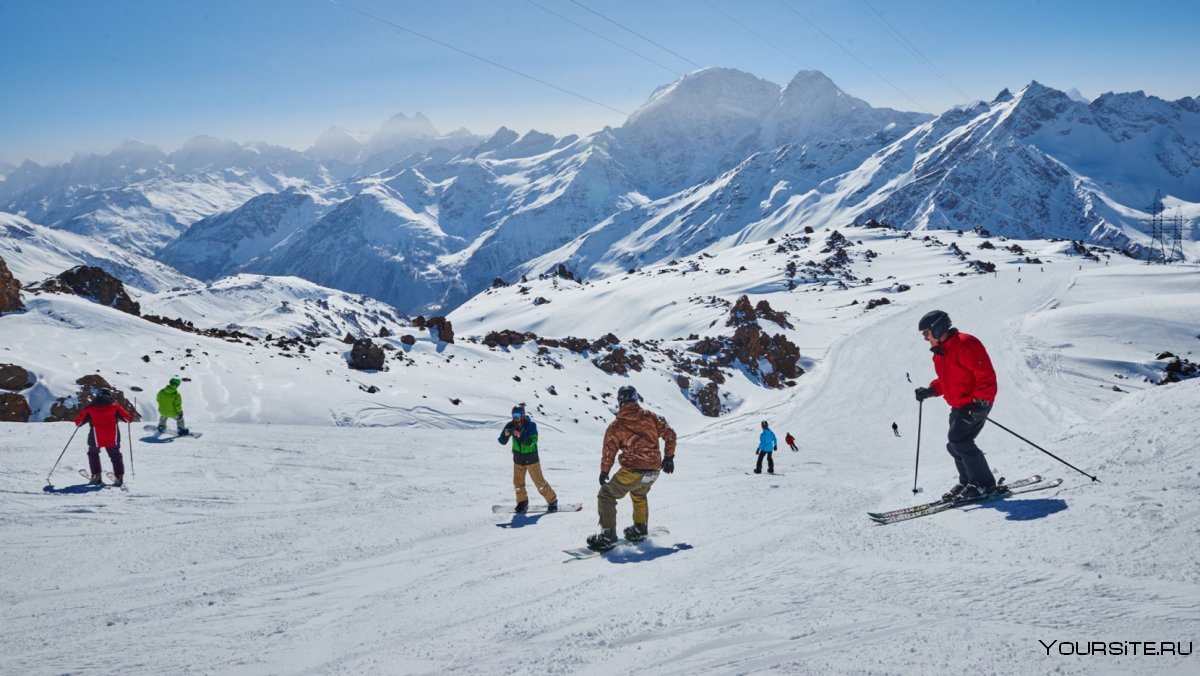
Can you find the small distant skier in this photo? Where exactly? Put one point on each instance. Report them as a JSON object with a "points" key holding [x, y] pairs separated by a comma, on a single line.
{"points": [[524, 434], [966, 379], [635, 433], [105, 433], [895, 429], [170, 405], [791, 442], [766, 447]]}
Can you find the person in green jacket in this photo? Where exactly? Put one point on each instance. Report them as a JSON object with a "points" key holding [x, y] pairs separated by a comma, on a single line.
{"points": [[170, 405], [524, 435]]}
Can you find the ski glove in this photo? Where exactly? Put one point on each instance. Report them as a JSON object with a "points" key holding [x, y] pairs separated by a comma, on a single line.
{"points": [[980, 408], [668, 465], [924, 393], [603, 478]]}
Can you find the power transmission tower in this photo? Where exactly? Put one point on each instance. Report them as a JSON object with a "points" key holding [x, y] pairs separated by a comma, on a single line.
{"points": [[1176, 230], [1158, 236]]}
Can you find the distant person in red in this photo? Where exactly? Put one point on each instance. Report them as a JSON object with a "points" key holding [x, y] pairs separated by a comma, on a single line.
{"points": [[791, 441], [102, 415]]}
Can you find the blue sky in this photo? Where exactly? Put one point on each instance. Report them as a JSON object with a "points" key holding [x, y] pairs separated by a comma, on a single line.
{"points": [[85, 75]]}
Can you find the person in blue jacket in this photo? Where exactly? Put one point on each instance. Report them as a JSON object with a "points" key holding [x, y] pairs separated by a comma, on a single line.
{"points": [[766, 449]]}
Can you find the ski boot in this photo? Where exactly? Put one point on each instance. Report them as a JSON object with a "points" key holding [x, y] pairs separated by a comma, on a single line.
{"points": [[522, 507], [637, 532], [162, 429], [953, 493], [603, 541], [95, 480], [182, 431], [119, 480], [552, 507], [972, 492]]}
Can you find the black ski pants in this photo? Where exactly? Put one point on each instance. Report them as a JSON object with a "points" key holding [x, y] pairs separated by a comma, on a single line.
{"points": [[114, 455], [965, 424], [770, 462]]}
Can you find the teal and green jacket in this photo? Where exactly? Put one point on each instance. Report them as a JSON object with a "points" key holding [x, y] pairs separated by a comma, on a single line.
{"points": [[524, 447]]}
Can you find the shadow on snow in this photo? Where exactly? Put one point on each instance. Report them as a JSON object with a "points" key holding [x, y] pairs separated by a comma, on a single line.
{"points": [[634, 553], [73, 490], [1026, 510], [522, 520], [641, 551]]}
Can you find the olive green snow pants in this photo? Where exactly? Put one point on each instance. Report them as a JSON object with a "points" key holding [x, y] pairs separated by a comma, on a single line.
{"points": [[637, 485]]}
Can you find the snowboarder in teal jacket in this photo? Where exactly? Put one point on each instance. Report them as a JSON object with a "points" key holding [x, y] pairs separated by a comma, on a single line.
{"points": [[766, 448]]}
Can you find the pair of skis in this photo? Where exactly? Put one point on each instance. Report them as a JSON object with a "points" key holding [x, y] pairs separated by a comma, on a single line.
{"points": [[1026, 485]]}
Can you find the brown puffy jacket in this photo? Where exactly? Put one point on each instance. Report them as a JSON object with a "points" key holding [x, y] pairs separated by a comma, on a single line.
{"points": [[635, 433]]}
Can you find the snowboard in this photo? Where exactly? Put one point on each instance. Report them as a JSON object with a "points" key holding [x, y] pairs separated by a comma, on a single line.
{"points": [[538, 509], [167, 436], [579, 553]]}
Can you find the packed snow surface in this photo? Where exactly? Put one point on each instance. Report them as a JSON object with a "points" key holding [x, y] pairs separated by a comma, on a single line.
{"points": [[317, 528]]}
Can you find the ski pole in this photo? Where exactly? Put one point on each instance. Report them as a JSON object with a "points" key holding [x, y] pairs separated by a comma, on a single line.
{"points": [[129, 429], [60, 455], [1043, 450], [917, 466]]}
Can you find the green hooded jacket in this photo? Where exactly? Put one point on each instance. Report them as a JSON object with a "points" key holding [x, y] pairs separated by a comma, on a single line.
{"points": [[170, 404]]}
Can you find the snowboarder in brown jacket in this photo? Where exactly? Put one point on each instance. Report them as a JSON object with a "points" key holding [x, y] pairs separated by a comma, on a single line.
{"points": [[635, 433]]}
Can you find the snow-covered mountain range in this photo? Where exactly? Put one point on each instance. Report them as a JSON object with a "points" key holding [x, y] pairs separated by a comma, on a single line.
{"points": [[424, 221]]}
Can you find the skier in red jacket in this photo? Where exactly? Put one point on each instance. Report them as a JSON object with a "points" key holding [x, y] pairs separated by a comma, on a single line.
{"points": [[105, 433], [966, 380]]}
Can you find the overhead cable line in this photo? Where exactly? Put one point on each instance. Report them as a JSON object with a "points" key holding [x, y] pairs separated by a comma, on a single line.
{"points": [[626, 28], [904, 42], [605, 38], [476, 56], [818, 127], [852, 55], [751, 31]]}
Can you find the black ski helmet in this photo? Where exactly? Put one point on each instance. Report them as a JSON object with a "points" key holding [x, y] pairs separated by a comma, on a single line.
{"points": [[104, 397], [627, 394], [764, 424], [519, 408], [936, 321]]}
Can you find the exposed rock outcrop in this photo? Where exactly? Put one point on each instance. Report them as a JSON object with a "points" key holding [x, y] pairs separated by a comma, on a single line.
{"points": [[92, 283], [14, 377], [366, 356], [14, 408], [69, 407], [10, 291], [445, 331]]}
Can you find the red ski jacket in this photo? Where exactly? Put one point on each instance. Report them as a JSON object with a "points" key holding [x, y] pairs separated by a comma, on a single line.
{"points": [[964, 371], [104, 422]]}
